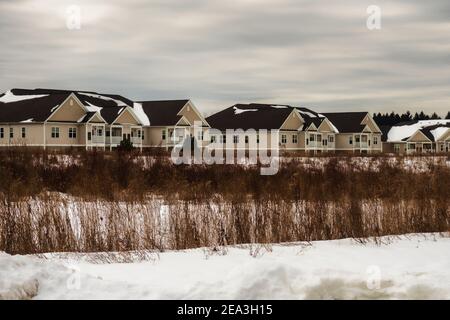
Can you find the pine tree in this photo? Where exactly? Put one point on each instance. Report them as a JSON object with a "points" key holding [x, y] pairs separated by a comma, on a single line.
{"points": [[448, 115]]}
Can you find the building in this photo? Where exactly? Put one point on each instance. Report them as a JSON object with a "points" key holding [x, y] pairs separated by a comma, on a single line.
{"points": [[358, 132], [298, 129], [418, 136], [64, 118]]}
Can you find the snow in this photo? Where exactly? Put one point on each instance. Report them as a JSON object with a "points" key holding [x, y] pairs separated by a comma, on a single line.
{"points": [[398, 133], [28, 120], [140, 114], [118, 102], [239, 111], [93, 108], [279, 107], [439, 132], [413, 266], [54, 108], [120, 110], [10, 97]]}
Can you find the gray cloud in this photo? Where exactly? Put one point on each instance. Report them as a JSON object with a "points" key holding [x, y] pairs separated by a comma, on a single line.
{"points": [[316, 53]]}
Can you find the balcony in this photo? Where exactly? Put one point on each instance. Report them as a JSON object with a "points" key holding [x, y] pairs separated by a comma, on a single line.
{"points": [[98, 139]]}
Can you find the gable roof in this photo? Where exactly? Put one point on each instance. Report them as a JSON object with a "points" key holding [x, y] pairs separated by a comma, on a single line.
{"points": [[34, 109], [403, 131], [36, 105], [250, 116], [162, 112], [347, 122]]}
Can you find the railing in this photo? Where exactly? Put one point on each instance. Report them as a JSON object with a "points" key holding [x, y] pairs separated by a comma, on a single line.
{"points": [[115, 140], [136, 140], [98, 139]]}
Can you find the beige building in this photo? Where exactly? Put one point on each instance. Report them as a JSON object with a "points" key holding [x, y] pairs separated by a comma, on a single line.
{"points": [[296, 129], [58, 118], [358, 132], [413, 137]]}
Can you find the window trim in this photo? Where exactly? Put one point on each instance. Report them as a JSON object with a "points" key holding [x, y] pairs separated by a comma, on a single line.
{"points": [[55, 133]]}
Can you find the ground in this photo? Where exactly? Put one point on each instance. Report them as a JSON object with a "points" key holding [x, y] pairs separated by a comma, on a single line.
{"points": [[400, 267]]}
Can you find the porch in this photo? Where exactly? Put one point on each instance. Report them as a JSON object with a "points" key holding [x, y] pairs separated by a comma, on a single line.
{"points": [[118, 133]]}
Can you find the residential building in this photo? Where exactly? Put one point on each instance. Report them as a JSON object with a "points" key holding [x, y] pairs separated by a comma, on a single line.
{"points": [[358, 132], [299, 129], [423, 136]]}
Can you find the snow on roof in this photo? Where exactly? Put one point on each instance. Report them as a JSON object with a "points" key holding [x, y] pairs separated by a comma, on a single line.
{"points": [[54, 108], [239, 111], [98, 96], [120, 110], [11, 97], [140, 114], [309, 114], [28, 120], [439, 132], [400, 132], [280, 107], [93, 108]]}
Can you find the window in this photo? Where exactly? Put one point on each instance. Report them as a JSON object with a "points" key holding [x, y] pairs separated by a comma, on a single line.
{"points": [[163, 134], [55, 132], [331, 139], [357, 139], [24, 132], [311, 137], [72, 133], [324, 142], [412, 146], [2, 133], [99, 132], [350, 140], [396, 148], [375, 140], [142, 134], [235, 139], [213, 139], [246, 139], [307, 141], [283, 138], [319, 138], [90, 136], [442, 146], [11, 133], [294, 138], [108, 133], [223, 139], [200, 136]]}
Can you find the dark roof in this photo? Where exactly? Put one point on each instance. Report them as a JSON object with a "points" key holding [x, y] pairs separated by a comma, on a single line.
{"points": [[427, 130], [266, 116], [86, 97], [347, 122], [111, 113], [37, 109], [163, 112]]}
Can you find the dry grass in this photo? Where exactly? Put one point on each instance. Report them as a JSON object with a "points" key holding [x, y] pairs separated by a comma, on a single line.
{"points": [[101, 201]]}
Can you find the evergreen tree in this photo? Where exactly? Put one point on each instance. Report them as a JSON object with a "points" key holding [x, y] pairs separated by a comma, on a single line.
{"points": [[448, 115]]}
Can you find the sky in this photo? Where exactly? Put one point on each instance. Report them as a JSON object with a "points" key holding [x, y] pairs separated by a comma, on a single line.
{"points": [[317, 53]]}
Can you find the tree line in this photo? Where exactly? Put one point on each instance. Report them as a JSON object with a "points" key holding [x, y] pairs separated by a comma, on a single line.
{"points": [[395, 118]]}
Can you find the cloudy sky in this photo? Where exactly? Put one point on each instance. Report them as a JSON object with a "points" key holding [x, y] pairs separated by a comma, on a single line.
{"points": [[311, 53]]}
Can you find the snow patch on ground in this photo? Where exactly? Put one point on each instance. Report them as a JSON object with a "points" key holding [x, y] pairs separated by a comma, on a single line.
{"points": [[11, 97], [405, 267]]}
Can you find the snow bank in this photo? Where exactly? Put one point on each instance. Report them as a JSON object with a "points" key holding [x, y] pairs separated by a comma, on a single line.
{"points": [[398, 133], [11, 97], [405, 267]]}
